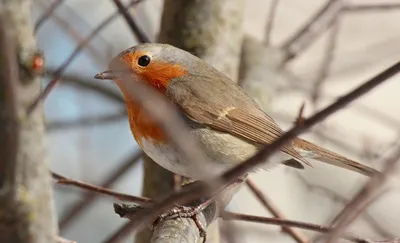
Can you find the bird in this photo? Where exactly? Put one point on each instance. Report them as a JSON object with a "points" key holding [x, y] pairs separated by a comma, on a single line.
{"points": [[225, 121]]}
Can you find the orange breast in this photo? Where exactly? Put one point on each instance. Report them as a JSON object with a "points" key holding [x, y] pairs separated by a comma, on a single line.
{"points": [[142, 126]]}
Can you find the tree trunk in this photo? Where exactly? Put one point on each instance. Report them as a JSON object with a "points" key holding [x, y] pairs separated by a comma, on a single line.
{"points": [[26, 208], [211, 30]]}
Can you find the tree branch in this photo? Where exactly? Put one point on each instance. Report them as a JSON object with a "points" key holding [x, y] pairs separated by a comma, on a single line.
{"points": [[137, 32], [104, 191], [297, 224], [49, 11], [319, 22], [272, 10], [364, 197], [61, 69], [85, 121], [89, 196], [297, 236]]}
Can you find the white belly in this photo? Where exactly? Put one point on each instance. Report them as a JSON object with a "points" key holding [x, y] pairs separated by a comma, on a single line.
{"points": [[225, 151]]}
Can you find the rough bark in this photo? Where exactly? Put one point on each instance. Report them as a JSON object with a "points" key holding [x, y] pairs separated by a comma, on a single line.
{"points": [[157, 182], [212, 30], [26, 208]]}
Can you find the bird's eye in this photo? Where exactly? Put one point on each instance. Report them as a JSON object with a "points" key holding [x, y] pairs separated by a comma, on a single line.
{"points": [[144, 60]]}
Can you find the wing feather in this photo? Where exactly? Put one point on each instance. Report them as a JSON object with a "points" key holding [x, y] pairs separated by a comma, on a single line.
{"points": [[233, 112]]}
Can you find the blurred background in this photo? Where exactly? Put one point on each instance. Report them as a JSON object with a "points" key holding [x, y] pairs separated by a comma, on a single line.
{"points": [[89, 137]]}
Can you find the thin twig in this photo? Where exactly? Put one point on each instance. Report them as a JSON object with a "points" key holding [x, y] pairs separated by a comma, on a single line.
{"points": [[341, 199], [60, 70], [272, 11], [201, 189], [49, 11], [93, 50], [137, 32], [296, 235], [84, 83], [368, 111], [300, 115], [305, 36], [52, 126], [297, 224], [89, 196], [364, 197], [372, 7], [323, 72], [104, 191]]}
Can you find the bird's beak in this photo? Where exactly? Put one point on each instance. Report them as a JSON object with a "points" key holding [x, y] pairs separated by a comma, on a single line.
{"points": [[105, 75]]}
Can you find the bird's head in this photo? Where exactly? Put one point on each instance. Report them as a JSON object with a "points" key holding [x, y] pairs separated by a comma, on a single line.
{"points": [[154, 64]]}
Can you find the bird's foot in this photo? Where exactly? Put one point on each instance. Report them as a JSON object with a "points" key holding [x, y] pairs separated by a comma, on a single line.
{"points": [[186, 212]]}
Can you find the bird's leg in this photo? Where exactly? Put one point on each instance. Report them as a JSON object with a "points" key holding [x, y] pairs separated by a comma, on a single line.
{"points": [[193, 211]]}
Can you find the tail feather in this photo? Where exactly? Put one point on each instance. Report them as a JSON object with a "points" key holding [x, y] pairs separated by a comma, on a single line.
{"points": [[310, 150]]}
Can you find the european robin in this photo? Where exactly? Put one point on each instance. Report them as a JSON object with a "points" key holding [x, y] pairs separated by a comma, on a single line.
{"points": [[226, 122]]}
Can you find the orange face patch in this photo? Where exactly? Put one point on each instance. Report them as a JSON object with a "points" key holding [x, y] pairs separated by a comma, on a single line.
{"points": [[158, 74]]}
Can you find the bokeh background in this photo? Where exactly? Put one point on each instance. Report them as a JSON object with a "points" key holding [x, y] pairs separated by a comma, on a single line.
{"points": [[360, 44]]}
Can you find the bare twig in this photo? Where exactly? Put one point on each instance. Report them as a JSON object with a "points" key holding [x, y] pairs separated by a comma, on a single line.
{"points": [[300, 115], [61, 69], [364, 109], [372, 7], [49, 11], [364, 197], [73, 32], [297, 224], [323, 72], [296, 235], [85, 121], [137, 32], [341, 199], [272, 11], [83, 185], [305, 36], [201, 189], [89, 196], [84, 83]]}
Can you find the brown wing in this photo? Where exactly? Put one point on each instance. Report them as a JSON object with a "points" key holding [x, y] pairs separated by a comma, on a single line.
{"points": [[253, 125], [224, 106]]}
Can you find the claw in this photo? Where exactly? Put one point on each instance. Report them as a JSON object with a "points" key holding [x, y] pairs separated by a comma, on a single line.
{"points": [[184, 212]]}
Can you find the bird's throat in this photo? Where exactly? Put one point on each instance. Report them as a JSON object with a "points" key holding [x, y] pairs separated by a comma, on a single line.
{"points": [[142, 126]]}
